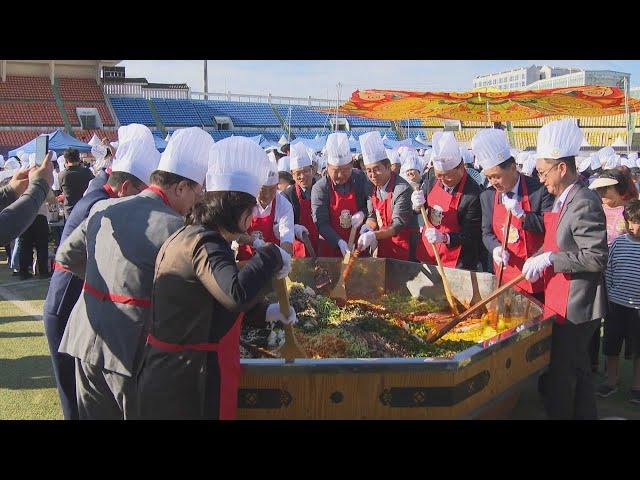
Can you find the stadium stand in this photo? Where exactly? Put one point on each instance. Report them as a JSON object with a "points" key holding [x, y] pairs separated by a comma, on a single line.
{"points": [[132, 110], [85, 135], [84, 89], [31, 114], [28, 88]]}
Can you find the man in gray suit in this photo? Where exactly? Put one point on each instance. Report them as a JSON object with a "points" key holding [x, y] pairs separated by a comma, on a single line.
{"points": [[572, 265], [115, 251]]}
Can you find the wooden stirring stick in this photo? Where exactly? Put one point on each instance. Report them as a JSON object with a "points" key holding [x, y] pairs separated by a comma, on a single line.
{"points": [[458, 318], [445, 282], [291, 349]]}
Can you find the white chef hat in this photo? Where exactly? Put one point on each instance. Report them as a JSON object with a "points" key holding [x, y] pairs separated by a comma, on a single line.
{"points": [[514, 152], [403, 149], [410, 161], [115, 145], [522, 157], [491, 147], [337, 151], [1, 161], [237, 164], [11, 164], [529, 164], [299, 157], [137, 153], [94, 140], [612, 161], [605, 153], [284, 164], [594, 159], [62, 163], [467, 155], [271, 178], [446, 151], [187, 153], [559, 139], [393, 155], [628, 162], [99, 152], [372, 148], [583, 163], [271, 156], [633, 156]]}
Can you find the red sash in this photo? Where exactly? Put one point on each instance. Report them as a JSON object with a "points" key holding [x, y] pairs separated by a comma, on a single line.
{"points": [[528, 242], [115, 298], [107, 188], [556, 285], [337, 203], [398, 245], [263, 225], [305, 220], [449, 224], [228, 350]]}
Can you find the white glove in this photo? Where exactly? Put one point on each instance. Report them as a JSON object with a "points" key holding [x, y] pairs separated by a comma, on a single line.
{"points": [[257, 243], [500, 257], [434, 236], [534, 267], [513, 205], [417, 199], [357, 219], [286, 264], [274, 315], [367, 240], [299, 231], [364, 229], [344, 247]]}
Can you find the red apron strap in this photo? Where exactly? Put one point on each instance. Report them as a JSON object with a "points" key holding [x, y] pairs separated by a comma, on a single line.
{"points": [[181, 347], [107, 188], [158, 191], [57, 266], [124, 299]]}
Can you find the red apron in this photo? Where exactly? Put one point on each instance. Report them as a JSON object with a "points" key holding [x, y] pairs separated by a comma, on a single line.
{"points": [[338, 203], [306, 220], [398, 245], [228, 350], [263, 225], [527, 245], [556, 285], [448, 224]]}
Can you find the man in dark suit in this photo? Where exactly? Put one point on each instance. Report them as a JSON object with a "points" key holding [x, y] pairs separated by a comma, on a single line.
{"points": [[454, 211], [524, 197], [572, 266], [74, 180]]}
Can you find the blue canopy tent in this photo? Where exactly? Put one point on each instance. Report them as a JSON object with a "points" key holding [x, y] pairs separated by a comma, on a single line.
{"points": [[58, 142]]}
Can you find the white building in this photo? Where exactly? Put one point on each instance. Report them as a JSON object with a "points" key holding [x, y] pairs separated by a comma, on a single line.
{"points": [[518, 78]]}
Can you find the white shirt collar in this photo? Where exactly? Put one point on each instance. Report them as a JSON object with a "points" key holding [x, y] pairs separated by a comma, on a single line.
{"points": [[515, 188], [383, 189]]}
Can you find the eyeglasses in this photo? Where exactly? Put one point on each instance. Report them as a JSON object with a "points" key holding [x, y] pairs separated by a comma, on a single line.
{"points": [[543, 175]]}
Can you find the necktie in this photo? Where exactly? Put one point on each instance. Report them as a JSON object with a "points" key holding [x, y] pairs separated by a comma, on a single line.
{"points": [[558, 206], [510, 194]]}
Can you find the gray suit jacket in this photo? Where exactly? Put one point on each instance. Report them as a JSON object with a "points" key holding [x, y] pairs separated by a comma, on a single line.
{"points": [[115, 250], [582, 240]]}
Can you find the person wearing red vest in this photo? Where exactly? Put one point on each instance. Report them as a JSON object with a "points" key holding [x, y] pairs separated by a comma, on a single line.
{"points": [[523, 196], [191, 363], [272, 220], [453, 207], [338, 200], [299, 195], [114, 250], [572, 263], [391, 217]]}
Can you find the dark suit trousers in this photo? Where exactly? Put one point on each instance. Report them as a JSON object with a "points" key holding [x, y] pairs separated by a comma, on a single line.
{"points": [[569, 384], [64, 366], [104, 395], [37, 235]]}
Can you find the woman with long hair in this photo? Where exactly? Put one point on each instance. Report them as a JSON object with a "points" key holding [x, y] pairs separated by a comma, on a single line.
{"points": [[191, 364]]}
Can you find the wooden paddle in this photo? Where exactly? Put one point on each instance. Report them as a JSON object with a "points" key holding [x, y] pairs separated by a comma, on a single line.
{"points": [[340, 291], [505, 236], [445, 282], [291, 349], [458, 318]]}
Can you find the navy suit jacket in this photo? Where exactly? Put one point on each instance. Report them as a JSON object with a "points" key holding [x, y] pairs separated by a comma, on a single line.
{"points": [[540, 201]]}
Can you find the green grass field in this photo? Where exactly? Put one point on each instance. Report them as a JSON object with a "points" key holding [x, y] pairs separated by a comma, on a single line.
{"points": [[27, 387]]}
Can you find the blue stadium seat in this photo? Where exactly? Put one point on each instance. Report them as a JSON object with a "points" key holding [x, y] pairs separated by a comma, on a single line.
{"points": [[132, 110]]}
